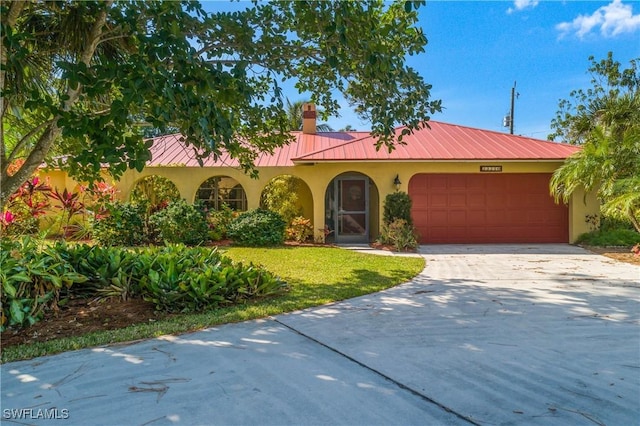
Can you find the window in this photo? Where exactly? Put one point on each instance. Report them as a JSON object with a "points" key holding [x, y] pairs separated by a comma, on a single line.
{"points": [[220, 190]]}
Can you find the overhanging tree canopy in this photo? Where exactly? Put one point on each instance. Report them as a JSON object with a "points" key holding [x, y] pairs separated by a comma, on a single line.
{"points": [[80, 79]]}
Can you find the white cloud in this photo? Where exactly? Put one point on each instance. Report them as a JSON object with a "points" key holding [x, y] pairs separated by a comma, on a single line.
{"points": [[522, 4], [612, 20]]}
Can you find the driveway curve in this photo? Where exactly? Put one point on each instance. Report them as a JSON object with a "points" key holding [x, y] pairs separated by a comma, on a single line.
{"points": [[496, 334]]}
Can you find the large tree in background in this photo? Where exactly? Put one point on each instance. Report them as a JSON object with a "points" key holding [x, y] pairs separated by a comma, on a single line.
{"points": [[605, 120], [80, 79]]}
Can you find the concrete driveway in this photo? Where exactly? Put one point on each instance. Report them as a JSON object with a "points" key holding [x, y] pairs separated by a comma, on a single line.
{"points": [[541, 334]]}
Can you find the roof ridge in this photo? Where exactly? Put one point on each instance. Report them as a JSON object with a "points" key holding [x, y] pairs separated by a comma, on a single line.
{"points": [[500, 133], [317, 151]]}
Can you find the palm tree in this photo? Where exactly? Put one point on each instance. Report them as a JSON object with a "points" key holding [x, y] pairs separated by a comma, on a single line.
{"points": [[294, 117], [609, 160]]}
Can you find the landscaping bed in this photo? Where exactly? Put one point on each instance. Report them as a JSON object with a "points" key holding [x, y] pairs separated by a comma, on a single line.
{"points": [[622, 254], [81, 316]]}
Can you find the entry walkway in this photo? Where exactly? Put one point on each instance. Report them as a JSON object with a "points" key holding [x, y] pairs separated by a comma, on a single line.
{"points": [[484, 335]]}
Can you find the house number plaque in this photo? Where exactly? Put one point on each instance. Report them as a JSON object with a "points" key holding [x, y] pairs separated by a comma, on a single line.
{"points": [[491, 168]]}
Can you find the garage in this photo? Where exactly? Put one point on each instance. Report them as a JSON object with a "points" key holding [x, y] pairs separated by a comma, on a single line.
{"points": [[487, 208]]}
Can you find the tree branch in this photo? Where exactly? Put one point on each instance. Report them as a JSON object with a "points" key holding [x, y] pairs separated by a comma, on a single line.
{"points": [[24, 139], [9, 184], [10, 21]]}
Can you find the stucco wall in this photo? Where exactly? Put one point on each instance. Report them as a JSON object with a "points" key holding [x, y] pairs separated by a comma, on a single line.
{"points": [[317, 177]]}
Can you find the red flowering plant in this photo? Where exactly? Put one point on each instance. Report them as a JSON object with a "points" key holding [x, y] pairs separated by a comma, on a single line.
{"points": [[70, 206], [25, 207], [77, 207], [97, 197]]}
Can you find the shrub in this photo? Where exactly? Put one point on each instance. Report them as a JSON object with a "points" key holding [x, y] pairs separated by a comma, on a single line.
{"points": [[181, 223], [397, 206], [400, 235], [36, 277], [280, 195], [300, 229], [68, 223], [123, 224], [111, 271], [610, 238], [32, 279], [25, 207], [608, 223], [183, 279], [156, 192], [219, 221], [257, 228]]}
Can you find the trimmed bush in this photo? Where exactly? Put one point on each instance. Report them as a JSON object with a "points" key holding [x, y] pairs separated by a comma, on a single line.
{"points": [[218, 221], [257, 228], [122, 225], [180, 223], [610, 238], [397, 206]]}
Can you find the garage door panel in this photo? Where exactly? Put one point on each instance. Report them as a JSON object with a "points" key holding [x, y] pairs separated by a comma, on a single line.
{"points": [[486, 208], [477, 200], [457, 200], [457, 218], [438, 200], [477, 218]]}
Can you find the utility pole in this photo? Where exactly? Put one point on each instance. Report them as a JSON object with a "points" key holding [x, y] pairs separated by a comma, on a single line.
{"points": [[513, 98]]}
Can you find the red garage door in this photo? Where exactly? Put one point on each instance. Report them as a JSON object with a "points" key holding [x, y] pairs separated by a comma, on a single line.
{"points": [[487, 208]]}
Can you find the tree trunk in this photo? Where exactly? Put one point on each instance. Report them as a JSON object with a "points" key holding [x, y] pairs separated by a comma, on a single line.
{"points": [[634, 220], [10, 184]]}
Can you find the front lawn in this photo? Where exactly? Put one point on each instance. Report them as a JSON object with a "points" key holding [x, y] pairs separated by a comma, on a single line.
{"points": [[316, 276]]}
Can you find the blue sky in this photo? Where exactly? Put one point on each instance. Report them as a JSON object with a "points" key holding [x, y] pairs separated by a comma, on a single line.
{"points": [[478, 49]]}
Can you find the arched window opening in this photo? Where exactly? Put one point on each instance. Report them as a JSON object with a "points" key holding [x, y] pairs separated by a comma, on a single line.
{"points": [[219, 190]]}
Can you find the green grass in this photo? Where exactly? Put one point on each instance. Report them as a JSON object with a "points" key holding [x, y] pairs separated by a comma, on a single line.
{"points": [[316, 276], [610, 238]]}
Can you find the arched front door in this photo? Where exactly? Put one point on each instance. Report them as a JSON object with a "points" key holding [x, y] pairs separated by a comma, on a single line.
{"points": [[348, 202]]}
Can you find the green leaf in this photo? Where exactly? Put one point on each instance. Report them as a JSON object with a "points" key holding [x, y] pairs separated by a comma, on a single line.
{"points": [[17, 315], [9, 289]]}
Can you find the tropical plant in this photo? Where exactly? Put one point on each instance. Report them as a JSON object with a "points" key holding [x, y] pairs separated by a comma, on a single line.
{"points": [[79, 80], [399, 234], [35, 277], [156, 191], [69, 205], [605, 120], [25, 208], [180, 279], [300, 229], [32, 279]]}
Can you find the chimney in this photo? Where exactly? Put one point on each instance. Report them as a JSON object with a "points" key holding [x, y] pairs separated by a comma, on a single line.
{"points": [[308, 118]]}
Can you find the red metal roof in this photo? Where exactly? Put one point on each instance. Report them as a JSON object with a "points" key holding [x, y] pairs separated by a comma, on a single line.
{"points": [[446, 142], [170, 150], [441, 142]]}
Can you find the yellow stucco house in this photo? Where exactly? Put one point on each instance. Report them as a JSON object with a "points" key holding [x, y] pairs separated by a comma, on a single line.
{"points": [[467, 185]]}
